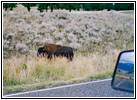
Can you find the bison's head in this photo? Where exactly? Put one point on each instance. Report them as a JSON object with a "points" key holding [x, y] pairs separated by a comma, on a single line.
{"points": [[41, 51]]}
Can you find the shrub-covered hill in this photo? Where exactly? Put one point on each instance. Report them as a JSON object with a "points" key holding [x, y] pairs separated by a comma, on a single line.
{"points": [[103, 31]]}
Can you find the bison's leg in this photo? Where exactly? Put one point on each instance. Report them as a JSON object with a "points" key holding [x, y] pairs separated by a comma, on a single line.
{"points": [[43, 54], [38, 54], [71, 56], [68, 56], [50, 56]]}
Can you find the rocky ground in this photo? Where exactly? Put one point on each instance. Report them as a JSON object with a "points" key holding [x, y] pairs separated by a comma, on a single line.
{"points": [[102, 31]]}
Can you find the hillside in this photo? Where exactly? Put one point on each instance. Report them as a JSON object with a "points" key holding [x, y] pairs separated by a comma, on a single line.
{"points": [[101, 31]]}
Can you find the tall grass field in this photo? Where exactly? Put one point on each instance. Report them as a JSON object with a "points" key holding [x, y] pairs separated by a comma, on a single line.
{"points": [[31, 70]]}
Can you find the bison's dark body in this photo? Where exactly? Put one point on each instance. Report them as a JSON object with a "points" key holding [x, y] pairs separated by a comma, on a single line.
{"points": [[56, 50], [65, 52]]}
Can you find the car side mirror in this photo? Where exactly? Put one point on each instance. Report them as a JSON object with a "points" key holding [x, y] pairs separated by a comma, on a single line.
{"points": [[123, 76]]}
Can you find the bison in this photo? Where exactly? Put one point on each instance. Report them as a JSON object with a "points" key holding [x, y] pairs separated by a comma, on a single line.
{"points": [[56, 50]]}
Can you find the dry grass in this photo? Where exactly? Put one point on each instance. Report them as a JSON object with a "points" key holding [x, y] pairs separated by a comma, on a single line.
{"points": [[30, 70], [33, 69]]}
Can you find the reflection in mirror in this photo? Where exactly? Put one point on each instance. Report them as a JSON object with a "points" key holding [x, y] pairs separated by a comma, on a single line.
{"points": [[124, 76]]}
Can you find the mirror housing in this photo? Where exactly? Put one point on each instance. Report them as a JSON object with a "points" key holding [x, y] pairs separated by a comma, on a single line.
{"points": [[123, 76]]}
